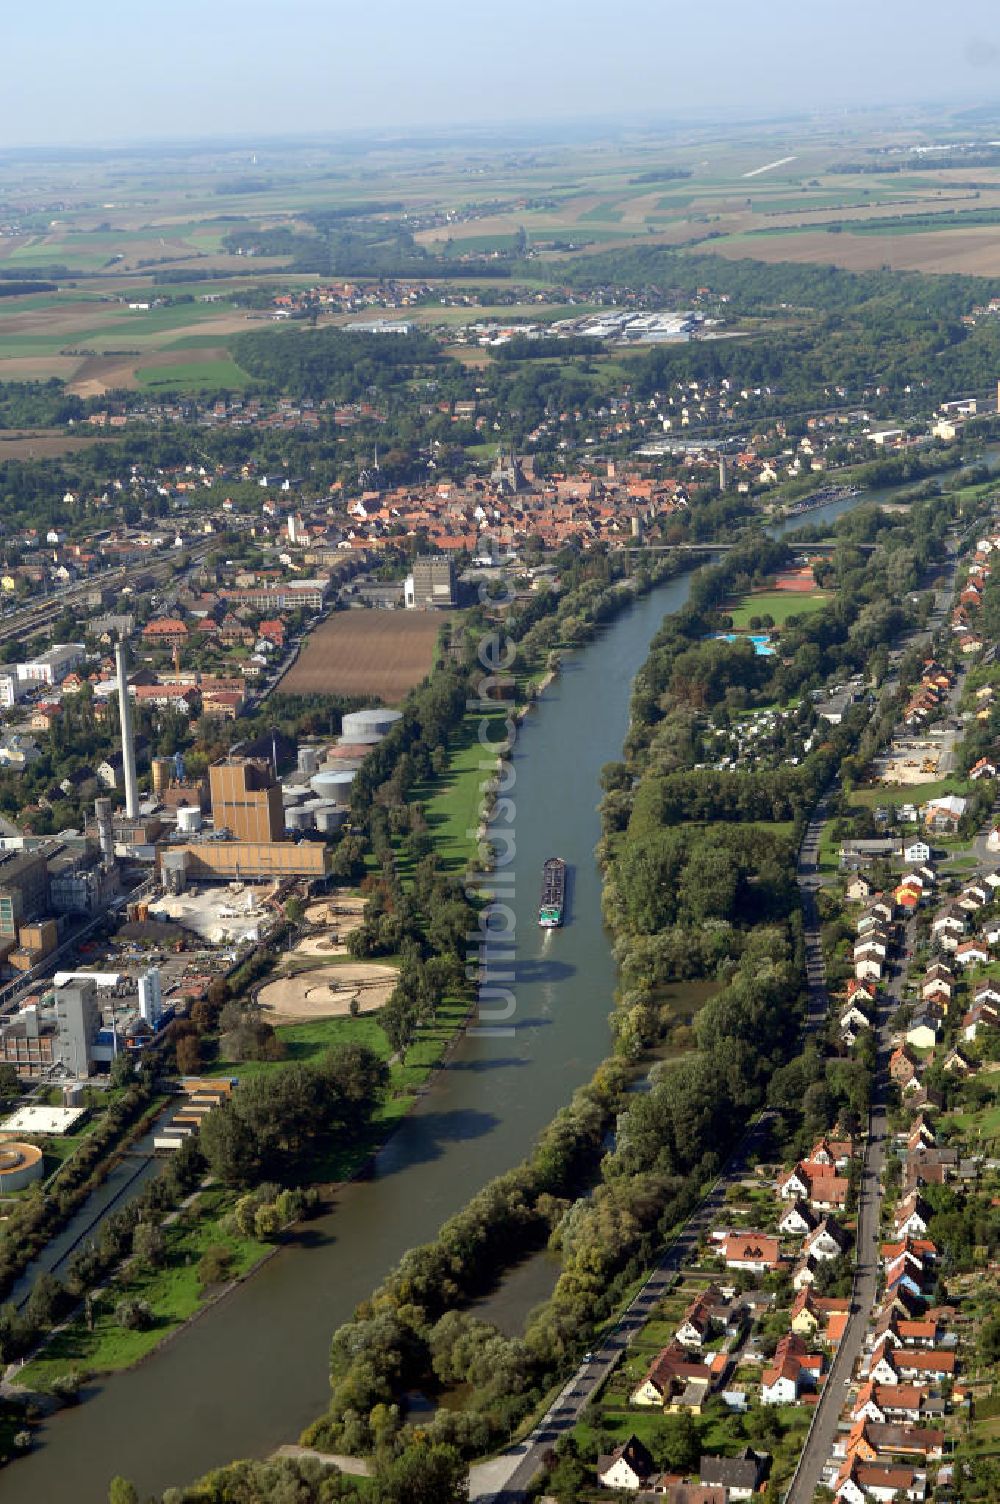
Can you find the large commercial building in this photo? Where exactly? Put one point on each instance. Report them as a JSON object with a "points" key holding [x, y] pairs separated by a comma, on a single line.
{"points": [[292, 595], [52, 666], [432, 583], [246, 799]]}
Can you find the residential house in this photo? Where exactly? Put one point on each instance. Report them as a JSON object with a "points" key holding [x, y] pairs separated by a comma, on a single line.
{"points": [[628, 1466], [798, 1220], [925, 1028], [884, 1482], [697, 1323], [827, 1241], [888, 1402], [739, 1476], [751, 1250], [676, 1379], [902, 1066], [792, 1369], [938, 984], [912, 1215], [870, 1440]]}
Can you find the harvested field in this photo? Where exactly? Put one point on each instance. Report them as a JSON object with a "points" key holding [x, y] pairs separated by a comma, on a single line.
{"points": [[43, 444], [99, 373], [360, 653], [328, 992], [972, 252]]}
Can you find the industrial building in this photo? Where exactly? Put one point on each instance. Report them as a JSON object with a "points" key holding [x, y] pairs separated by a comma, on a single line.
{"points": [[78, 1023], [226, 861], [82, 882], [24, 889], [246, 799]]}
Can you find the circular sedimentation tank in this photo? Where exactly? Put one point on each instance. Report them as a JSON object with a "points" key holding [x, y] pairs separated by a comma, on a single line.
{"points": [[20, 1164]]}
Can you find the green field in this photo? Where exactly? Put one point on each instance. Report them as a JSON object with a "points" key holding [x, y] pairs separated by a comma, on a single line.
{"points": [[918, 794], [779, 604], [210, 375]]}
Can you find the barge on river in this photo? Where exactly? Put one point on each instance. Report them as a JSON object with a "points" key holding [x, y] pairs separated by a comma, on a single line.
{"points": [[553, 904]]}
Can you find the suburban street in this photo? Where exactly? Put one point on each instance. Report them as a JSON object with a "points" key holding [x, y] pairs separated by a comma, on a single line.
{"points": [[504, 1479]]}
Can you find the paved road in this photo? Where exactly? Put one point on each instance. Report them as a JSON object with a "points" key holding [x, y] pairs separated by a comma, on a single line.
{"points": [[826, 1417], [505, 1479]]}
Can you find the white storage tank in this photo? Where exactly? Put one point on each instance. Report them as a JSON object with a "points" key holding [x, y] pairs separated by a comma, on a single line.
{"points": [[299, 819], [334, 784], [329, 818], [188, 819], [366, 725], [20, 1164], [308, 760]]}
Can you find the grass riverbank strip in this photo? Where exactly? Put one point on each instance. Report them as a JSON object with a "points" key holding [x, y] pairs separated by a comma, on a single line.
{"points": [[173, 1293]]}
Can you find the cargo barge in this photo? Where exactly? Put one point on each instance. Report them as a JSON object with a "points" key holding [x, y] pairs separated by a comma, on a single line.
{"points": [[553, 904]]}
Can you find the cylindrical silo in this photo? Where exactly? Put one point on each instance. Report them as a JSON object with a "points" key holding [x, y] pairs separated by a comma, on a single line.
{"points": [[308, 760], [363, 725], [162, 770], [334, 784], [329, 818]]}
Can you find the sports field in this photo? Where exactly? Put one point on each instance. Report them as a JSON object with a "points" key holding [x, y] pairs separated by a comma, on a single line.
{"points": [[778, 604], [377, 654]]}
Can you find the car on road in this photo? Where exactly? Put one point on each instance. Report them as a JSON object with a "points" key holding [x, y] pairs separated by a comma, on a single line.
{"points": [[588, 1357]]}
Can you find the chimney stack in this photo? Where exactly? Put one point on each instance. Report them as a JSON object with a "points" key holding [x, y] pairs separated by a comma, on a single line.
{"points": [[128, 736], [105, 833]]}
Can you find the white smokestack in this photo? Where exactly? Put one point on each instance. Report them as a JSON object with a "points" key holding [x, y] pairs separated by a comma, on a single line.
{"points": [[128, 737]]}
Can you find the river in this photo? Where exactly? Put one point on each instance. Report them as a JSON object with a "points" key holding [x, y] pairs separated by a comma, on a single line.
{"points": [[253, 1370]]}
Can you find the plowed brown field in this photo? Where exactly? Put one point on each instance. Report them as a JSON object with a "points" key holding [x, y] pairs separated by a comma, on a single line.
{"points": [[378, 653]]}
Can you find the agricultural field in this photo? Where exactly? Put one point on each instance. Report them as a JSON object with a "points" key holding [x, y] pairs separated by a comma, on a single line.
{"points": [[971, 252], [376, 654], [135, 228]]}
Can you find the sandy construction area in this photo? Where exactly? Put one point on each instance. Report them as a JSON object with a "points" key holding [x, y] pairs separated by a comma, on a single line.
{"points": [[328, 992], [343, 914]]}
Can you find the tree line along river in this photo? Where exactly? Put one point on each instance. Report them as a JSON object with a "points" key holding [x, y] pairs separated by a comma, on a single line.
{"points": [[253, 1370]]}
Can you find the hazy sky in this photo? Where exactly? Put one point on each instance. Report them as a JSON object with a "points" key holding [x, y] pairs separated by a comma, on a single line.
{"points": [[180, 68]]}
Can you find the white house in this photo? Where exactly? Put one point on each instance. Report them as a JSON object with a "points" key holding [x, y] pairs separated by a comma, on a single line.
{"points": [[628, 1466]]}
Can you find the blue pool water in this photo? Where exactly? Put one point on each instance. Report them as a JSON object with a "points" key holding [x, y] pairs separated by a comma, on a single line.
{"points": [[762, 645]]}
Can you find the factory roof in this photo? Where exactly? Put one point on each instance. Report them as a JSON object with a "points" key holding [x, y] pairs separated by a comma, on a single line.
{"points": [[36, 1119]]}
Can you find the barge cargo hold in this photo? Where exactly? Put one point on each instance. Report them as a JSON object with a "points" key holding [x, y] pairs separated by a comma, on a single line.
{"points": [[553, 904]]}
